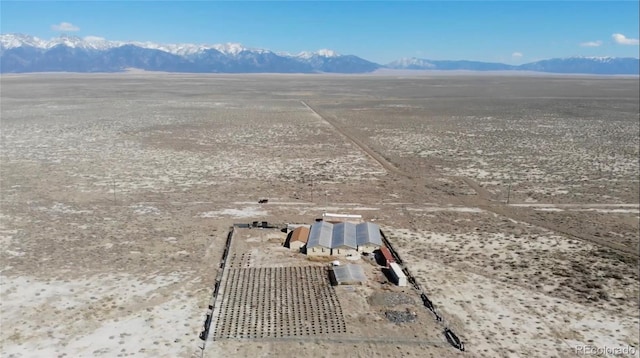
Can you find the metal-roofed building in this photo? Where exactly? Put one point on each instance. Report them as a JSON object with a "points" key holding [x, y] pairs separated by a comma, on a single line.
{"points": [[344, 239], [368, 238], [320, 239], [348, 275], [298, 238]]}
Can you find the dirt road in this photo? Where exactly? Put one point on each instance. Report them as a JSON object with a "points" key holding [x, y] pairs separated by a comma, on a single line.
{"points": [[484, 199]]}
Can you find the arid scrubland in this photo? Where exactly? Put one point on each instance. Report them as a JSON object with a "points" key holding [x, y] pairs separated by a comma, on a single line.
{"points": [[117, 192]]}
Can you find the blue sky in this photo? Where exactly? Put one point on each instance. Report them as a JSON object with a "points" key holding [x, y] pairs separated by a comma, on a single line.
{"points": [[501, 31]]}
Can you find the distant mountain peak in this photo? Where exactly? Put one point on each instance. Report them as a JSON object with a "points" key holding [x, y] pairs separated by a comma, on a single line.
{"points": [[230, 48], [595, 58], [320, 53], [327, 53], [411, 63], [84, 43], [8, 41]]}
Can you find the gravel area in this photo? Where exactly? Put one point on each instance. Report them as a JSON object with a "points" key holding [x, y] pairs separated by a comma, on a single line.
{"points": [[401, 316]]}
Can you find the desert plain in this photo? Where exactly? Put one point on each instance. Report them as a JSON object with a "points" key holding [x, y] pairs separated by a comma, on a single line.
{"points": [[513, 199]]}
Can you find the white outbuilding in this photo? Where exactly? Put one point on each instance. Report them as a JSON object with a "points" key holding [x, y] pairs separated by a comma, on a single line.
{"points": [[399, 276]]}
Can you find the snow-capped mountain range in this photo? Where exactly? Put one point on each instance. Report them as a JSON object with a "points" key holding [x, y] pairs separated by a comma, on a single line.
{"points": [[585, 65], [24, 53], [9, 41]]}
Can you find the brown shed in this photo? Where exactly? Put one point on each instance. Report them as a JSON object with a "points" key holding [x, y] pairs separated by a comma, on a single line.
{"points": [[386, 256], [299, 238]]}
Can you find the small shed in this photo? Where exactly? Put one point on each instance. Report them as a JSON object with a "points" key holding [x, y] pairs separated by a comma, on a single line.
{"points": [[299, 237], [386, 258], [348, 275], [399, 276]]}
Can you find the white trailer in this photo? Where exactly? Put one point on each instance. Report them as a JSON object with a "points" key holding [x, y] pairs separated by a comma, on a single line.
{"points": [[398, 275], [342, 218]]}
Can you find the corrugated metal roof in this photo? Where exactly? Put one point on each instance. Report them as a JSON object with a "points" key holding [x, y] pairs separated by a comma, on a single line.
{"points": [[387, 254], [368, 233], [349, 274], [300, 234], [320, 235], [344, 235]]}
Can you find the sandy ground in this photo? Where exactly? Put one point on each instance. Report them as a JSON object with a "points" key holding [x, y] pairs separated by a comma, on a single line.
{"points": [[117, 192], [112, 315], [510, 299]]}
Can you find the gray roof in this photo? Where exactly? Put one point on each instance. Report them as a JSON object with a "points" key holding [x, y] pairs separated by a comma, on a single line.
{"points": [[368, 233], [344, 235], [349, 274], [320, 235]]}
